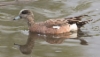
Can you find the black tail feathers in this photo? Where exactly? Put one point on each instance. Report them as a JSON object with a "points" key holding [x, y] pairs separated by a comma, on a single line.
{"points": [[82, 23]]}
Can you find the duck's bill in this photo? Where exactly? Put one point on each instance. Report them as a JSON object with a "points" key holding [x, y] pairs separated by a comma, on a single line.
{"points": [[16, 18]]}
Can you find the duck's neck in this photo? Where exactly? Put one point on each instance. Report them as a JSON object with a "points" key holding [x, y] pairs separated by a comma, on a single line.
{"points": [[27, 48], [30, 20], [30, 43]]}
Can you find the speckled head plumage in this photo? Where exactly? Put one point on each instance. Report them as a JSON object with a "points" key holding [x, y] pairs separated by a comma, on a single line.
{"points": [[24, 13]]}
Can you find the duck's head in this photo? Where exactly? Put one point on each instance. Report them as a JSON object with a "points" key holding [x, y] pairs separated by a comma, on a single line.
{"points": [[23, 48], [23, 14]]}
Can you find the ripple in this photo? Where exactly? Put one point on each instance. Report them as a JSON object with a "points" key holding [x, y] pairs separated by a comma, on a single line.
{"points": [[3, 46], [53, 9], [5, 17], [48, 13], [26, 32]]}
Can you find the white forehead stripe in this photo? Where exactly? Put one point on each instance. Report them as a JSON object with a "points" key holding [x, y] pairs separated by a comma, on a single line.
{"points": [[57, 27], [25, 9], [22, 10]]}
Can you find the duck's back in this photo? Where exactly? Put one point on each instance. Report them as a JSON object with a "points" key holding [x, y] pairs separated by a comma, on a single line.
{"points": [[51, 26]]}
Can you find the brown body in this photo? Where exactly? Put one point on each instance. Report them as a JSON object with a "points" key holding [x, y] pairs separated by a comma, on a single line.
{"points": [[52, 26], [47, 27]]}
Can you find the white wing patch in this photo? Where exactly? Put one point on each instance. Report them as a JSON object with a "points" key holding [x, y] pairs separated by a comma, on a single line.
{"points": [[57, 27]]}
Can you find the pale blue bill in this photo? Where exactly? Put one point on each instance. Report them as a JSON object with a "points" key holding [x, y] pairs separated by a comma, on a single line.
{"points": [[17, 17]]}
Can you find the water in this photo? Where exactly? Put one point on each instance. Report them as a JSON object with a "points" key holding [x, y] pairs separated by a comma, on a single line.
{"points": [[49, 46]]}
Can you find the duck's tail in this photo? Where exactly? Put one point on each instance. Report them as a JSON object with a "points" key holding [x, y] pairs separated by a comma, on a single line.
{"points": [[82, 23], [79, 23], [77, 17], [80, 17]]}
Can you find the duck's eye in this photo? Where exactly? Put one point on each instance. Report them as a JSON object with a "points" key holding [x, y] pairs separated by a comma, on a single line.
{"points": [[25, 12]]}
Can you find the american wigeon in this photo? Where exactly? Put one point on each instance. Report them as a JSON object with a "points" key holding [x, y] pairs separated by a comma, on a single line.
{"points": [[51, 26]]}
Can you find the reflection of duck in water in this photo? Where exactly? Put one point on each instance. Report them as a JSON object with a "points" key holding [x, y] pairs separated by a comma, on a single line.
{"points": [[52, 26], [58, 39], [27, 48]]}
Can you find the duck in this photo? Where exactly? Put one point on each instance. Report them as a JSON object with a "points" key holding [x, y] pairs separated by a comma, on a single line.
{"points": [[51, 26]]}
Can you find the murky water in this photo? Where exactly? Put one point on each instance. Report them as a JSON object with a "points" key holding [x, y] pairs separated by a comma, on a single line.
{"points": [[49, 46]]}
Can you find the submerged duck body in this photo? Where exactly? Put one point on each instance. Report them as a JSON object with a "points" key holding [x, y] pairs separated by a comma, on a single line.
{"points": [[51, 26]]}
